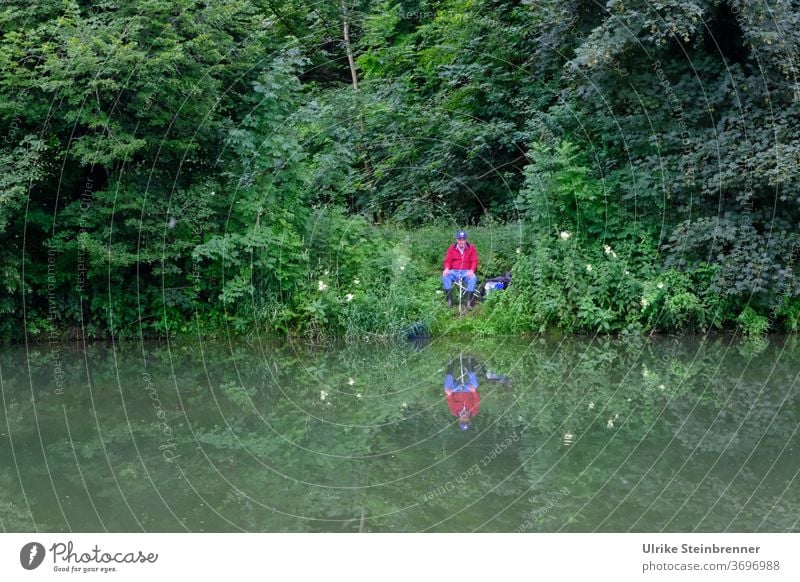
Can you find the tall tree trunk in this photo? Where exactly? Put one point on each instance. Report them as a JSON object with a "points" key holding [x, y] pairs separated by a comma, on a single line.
{"points": [[354, 76], [349, 47]]}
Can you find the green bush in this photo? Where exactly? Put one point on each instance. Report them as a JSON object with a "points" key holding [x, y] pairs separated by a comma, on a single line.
{"points": [[751, 323]]}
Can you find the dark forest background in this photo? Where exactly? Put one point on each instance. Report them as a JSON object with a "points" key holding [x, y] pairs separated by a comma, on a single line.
{"points": [[183, 166]]}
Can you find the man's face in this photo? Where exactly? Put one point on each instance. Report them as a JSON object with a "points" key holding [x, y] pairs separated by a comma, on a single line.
{"points": [[461, 242]]}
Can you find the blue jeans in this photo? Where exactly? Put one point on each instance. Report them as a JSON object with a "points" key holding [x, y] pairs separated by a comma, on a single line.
{"points": [[449, 382], [448, 280]]}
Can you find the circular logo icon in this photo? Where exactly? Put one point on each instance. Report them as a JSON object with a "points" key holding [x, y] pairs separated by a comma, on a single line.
{"points": [[31, 555]]}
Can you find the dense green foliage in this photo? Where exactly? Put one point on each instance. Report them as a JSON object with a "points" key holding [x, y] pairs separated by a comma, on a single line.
{"points": [[181, 167]]}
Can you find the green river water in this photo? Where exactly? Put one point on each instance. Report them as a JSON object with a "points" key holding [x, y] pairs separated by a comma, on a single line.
{"points": [[584, 434]]}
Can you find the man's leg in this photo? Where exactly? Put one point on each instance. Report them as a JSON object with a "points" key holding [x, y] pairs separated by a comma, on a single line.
{"points": [[471, 283], [458, 277], [447, 283], [448, 377]]}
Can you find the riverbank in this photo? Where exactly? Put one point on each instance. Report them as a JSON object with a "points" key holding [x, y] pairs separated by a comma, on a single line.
{"points": [[358, 280]]}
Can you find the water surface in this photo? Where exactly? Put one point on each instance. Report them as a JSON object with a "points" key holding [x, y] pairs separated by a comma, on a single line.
{"points": [[667, 434]]}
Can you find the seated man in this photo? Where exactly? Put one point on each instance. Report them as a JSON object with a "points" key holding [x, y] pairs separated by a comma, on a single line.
{"points": [[461, 393], [460, 262]]}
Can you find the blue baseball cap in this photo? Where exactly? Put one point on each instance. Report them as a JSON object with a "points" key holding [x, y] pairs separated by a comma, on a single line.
{"points": [[461, 234]]}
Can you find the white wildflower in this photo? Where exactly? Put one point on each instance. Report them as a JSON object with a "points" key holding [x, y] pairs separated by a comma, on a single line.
{"points": [[402, 267], [645, 302], [358, 395], [660, 285], [327, 272], [591, 406], [627, 272], [661, 387], [321, 285], [356, 281], [404, 405], [565, 235], [439, 292], [323, 395], [589, 268], [350, 381], [610, 423], [608, 251], [349, 297], [519, 251]]}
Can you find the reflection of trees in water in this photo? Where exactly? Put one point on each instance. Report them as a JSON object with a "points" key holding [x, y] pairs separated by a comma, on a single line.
{"points": [[708, 397], [258, 442], [14, 514]]}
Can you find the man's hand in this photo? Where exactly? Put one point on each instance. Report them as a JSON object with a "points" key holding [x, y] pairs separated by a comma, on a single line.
{"points": [[448, 392], [445, 273], [470, 274], [472, 388]]}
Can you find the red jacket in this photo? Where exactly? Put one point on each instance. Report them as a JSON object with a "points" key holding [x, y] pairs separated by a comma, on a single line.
{"points": [[466, 262], [457, 401]]}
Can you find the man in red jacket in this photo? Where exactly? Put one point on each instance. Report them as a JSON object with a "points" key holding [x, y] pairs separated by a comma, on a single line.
{"points": [[460, 262], [461, 392]]}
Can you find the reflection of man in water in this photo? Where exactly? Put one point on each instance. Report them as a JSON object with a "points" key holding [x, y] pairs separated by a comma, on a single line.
{"points": [[461, 391]]}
